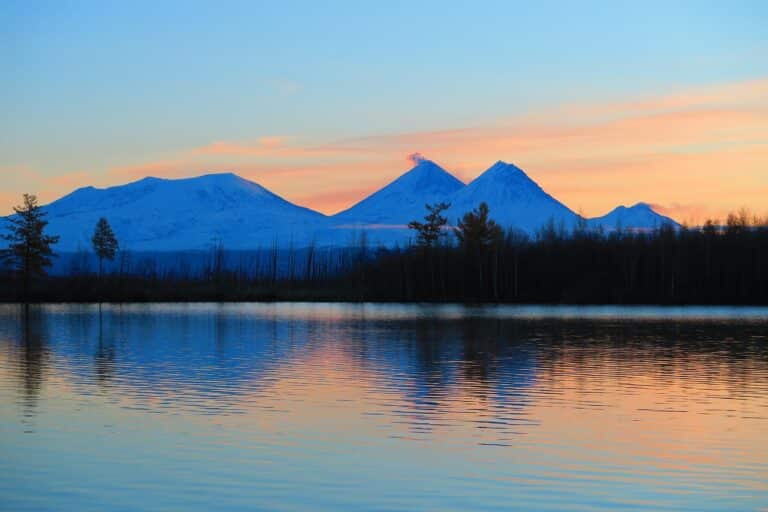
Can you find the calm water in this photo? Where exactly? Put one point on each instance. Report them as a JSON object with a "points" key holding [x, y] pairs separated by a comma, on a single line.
{"points": [[363, 407]]}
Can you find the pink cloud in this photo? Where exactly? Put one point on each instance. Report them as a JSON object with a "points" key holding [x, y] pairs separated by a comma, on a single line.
{"points": [[701, 146]]}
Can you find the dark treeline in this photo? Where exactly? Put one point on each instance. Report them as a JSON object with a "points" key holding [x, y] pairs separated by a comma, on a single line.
{"points": [[711, 265], [474, 262], [214, 275]]}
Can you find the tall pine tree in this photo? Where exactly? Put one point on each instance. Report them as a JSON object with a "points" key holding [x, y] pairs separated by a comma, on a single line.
{"points": [[475, 230], [104, 242], [480, 237], [29, 248]]}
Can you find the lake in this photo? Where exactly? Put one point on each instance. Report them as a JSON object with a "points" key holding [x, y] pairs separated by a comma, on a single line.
{"points": [[382, 407]]}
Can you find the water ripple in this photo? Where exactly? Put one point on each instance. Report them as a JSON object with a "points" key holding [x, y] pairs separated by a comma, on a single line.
{"points": [[331, 406]]}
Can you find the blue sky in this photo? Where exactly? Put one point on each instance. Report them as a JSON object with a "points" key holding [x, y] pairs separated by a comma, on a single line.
{"points": [[93, 86]]}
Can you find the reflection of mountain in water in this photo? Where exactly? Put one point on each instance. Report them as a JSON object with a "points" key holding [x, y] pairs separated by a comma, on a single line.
{"points": [[426, 357], [213, 358], [201, 356], [209, 355]]}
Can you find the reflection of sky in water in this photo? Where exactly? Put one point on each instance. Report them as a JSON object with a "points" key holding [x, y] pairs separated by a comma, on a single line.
{"points": [[390, 407]]}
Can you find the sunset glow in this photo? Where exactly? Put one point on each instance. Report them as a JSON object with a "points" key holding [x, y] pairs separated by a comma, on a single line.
{"points": [[690, 139]]}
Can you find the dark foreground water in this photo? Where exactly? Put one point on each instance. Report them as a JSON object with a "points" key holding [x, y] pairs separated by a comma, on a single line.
{"points": [[365, 407]]}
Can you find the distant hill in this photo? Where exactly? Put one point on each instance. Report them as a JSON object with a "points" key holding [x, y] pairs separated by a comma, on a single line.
{"points": [[638, 217]]}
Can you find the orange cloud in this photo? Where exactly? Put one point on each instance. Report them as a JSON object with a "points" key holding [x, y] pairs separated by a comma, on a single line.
{"points": [[704, 147], [26, 180], [334, 201], [687, 213], [732, 95], [165, 168]]}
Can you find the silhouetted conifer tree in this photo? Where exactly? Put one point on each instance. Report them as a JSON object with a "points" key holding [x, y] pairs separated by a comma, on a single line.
{"points": [[105, 243], [430, 232], [476, 230], [480, 237], [29, 249]]}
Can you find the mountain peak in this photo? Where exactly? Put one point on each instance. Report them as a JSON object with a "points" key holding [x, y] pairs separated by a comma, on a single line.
{"points": [[427, 173], [640, 216], [182, 213], [403, 199], [504, 170], [515, 200], [211, 177], [637, 207]]}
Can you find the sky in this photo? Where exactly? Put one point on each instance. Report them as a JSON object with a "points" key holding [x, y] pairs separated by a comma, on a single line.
{"points": [[601, 103]]}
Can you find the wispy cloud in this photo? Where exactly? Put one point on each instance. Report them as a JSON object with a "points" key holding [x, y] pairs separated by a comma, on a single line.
{"points": [[695, 153]]}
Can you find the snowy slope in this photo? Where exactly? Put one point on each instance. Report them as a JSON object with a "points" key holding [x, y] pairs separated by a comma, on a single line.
{"points": [[514, 200], [156, 214], [638, 217], [385, 214], [403, 200], [163, 214]]}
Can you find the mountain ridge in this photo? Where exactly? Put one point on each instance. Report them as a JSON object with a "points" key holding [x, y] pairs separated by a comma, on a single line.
{"points": [[154, 213], [186, 213]]}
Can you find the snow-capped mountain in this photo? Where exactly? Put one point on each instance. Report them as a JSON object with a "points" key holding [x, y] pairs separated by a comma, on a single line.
{"points": [[179, 214], [385, 214], [403, 200], [514, 200], [638, 217], [154, 214]]}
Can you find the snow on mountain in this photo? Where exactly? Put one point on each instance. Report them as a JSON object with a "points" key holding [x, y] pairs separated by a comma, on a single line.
{"points": [[155, 214], [175, 214], [403, 200], [638, 217], [385, 214], [514, 200]]}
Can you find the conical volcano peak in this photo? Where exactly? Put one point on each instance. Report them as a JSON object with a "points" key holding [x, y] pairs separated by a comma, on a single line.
{"points": [[427, 173], [515, 200], [403, 199], [502, 166], [506, 174], [426, 166], [503, 169]]}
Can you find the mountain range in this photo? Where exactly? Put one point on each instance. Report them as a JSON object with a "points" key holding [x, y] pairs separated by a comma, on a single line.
{"points": [[157, 214]]}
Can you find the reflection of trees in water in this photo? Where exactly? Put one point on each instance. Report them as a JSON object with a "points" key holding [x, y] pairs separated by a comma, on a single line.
{"points": [[482, 343], [728, 353], [193, 355], [33, 357], [219, 353], [105, 354], [433, 361]]}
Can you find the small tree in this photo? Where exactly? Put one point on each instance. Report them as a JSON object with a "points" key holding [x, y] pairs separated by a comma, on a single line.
{"points": [[429, 232], [475, 230], [428, 237], [29, 249], [480, 237], [104, 242]]}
